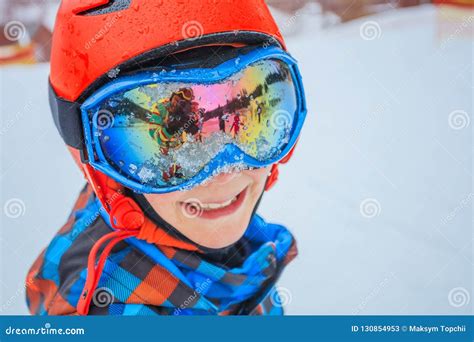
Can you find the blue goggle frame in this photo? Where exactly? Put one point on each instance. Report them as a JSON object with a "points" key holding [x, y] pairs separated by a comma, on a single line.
{"points": [[230, 154]]}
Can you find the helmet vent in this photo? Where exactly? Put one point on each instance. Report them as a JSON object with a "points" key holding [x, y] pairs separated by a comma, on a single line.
{"points": [[110, 7]]}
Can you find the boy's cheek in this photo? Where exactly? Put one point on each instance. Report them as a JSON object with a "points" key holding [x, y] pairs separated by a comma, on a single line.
{"points": [[259, 175], [164, 203]]}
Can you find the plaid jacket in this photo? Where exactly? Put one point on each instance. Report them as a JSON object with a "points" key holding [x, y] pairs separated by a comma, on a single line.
{"points": [[140, 278]]}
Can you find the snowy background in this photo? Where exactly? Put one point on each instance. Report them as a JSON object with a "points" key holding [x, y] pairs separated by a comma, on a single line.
{"points": [[379, 193]]}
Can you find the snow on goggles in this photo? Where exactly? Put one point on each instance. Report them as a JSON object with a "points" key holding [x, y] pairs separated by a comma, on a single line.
{"points": [[167, 130]]}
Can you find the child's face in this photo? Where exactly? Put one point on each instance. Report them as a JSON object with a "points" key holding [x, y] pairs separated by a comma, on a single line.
{"points": [[216, 214]]}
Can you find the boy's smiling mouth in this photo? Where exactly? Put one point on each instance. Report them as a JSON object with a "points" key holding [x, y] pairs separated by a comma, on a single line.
{"points": [[216, 209], [213, 206]]}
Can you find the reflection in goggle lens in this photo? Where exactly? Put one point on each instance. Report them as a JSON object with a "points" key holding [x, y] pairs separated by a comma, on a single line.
{"points": [[164, 134]]}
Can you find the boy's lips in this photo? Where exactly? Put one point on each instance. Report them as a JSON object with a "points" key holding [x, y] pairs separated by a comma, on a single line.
{"points": [[213, 210]]}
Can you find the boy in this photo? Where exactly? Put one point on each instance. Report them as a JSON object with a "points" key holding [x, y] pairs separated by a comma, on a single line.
{"points": [[167, 223]]}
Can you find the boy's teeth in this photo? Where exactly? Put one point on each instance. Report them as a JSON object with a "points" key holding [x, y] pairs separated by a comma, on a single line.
{"points": [[212, 206]]}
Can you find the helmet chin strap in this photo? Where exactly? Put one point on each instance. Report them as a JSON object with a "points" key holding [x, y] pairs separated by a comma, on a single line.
{"points": [[124, 213]]}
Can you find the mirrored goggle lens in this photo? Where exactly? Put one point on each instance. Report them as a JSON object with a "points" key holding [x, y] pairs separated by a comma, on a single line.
{"points": [[164, 134]]}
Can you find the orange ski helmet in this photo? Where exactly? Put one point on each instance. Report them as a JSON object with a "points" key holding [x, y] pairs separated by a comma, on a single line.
{"points": [[95, 39]]}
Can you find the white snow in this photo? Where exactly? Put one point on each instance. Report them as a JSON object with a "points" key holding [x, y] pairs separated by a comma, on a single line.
{"points": [[378, 194]]}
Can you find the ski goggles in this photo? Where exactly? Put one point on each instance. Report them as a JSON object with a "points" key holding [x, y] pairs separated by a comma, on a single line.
{"points": [[171, 129]]}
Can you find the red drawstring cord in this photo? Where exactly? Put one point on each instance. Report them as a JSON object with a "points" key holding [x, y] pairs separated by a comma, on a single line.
{"points": [[95, 272], [126, 219], [125, 216]]}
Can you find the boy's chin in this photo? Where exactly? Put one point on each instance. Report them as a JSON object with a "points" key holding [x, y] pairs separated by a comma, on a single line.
{"points": [[217, 235], [218, 243]]}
